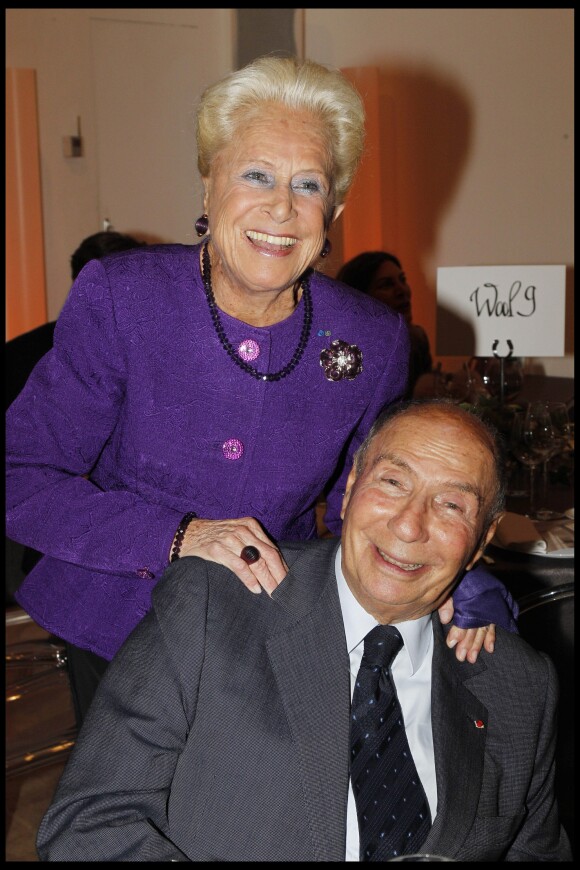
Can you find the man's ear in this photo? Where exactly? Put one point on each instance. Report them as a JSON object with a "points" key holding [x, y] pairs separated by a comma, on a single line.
{"points": [[486, 538], [349, 485]]}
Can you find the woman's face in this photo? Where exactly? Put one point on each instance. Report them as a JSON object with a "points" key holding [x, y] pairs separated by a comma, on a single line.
{"points": [[389, 284], [269, 200]]}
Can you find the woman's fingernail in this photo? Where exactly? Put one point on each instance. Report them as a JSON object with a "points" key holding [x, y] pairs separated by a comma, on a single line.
{"points": [[452, 643]]}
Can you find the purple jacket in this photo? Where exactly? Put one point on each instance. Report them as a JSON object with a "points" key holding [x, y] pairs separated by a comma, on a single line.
{"points": [[138, 415]]}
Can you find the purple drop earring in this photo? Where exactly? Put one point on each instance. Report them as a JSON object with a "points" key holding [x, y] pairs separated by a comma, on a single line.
{"points": [[326, 248], [202, 225]]}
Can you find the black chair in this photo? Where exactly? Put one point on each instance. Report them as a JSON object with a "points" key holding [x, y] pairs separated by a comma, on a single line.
{"points": [[546, 621]]}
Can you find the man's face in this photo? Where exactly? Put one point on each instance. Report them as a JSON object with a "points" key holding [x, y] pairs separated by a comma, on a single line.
{"points": [[414, 517]]}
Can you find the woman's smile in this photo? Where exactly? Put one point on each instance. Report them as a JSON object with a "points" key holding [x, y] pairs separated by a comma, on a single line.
{"points": [[269, 244]]}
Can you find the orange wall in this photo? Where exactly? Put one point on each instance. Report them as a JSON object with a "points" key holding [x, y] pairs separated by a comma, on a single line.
{"points": [[361, 226], [362, 219], [378, 215], [25, 276]]}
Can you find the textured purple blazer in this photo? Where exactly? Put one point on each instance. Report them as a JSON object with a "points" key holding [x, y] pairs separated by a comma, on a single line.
{"points": [[138, 415]]}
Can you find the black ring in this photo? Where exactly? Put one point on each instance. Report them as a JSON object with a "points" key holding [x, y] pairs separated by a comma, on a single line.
{"points": [[250, 555]]}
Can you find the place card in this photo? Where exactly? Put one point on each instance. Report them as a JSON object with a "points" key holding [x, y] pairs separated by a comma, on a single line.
{"points": [[482, 309]]}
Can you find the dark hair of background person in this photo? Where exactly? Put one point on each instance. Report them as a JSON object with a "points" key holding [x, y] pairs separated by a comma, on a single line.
{"points": [[360, 272], [99, 245]]}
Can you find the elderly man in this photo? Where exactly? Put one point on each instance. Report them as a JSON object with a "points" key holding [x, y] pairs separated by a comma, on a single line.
{"points": [[240, 727]]}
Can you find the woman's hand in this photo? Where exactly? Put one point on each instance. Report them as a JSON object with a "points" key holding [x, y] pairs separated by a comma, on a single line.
{"points": [[467, 641], [223, 541]]}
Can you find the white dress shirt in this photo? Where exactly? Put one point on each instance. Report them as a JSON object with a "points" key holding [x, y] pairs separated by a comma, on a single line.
{"points": [[411, 670]]}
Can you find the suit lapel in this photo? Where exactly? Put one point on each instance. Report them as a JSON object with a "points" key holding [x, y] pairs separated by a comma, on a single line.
{"points": [[310, 663], [459, 745]]}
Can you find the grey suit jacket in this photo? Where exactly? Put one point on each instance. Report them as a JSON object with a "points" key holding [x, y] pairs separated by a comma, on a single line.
{"points": [[221, 732]]}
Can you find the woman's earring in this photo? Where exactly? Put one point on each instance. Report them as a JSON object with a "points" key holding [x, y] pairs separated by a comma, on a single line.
{"points": [[202, 225], [326, 248]]}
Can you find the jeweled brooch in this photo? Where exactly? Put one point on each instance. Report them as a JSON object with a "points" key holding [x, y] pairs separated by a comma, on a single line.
{"points": [[341, 360]]}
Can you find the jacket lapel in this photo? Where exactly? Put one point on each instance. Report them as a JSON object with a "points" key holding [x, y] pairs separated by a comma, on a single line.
{"points": [[310, 663], [459, 745]]}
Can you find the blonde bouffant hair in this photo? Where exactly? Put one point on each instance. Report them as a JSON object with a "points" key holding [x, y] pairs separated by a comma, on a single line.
{"points": [[297, 84]]}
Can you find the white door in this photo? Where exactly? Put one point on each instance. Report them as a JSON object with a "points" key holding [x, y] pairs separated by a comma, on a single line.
{"points": [[150, 67]]}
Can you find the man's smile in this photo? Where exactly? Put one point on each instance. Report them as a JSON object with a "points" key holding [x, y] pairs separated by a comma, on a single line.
{"points": [[406, 566]]}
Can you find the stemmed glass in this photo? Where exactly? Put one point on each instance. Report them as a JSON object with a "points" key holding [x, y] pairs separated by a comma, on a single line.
{"points": [[561, 425], [457, 386], [513, 377], [532, 442]]}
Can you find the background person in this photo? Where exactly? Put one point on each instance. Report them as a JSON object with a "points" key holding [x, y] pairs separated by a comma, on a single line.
{"points": [[381, 275], [247, 757], [199, 398]]}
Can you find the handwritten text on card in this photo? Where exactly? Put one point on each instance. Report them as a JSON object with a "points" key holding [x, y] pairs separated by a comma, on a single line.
{"points": [[477, 305]]}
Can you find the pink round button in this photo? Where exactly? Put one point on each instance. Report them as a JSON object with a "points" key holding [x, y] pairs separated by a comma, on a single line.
{"points": [[249, 349], [232, 448]]}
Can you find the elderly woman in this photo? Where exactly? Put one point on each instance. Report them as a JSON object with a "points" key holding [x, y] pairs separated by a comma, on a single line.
{"points": [[199, 398]]}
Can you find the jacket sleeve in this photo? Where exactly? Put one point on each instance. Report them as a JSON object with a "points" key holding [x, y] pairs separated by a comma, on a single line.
{"points": [[480, 598], [391, 386], [55, 432], [541, 836], [111, 802]]}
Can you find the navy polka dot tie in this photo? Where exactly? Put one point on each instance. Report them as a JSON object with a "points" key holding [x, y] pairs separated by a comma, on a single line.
{"points": [[393, 813]]}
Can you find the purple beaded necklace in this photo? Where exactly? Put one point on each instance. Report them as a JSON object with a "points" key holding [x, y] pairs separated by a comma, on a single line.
{"points": [[230, 350]]}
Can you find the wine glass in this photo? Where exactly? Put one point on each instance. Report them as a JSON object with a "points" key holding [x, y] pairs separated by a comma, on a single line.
{"points": [[513, 376], [457, 386], [531, 442], [561, 425]]}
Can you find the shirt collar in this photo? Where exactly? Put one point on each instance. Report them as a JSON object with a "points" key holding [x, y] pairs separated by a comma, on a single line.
{"points": [[416, 633]]}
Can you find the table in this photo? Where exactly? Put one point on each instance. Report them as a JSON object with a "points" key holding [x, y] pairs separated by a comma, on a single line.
{"points": [[522, 573]]}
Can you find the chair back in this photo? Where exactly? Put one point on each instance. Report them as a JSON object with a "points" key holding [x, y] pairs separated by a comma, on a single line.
{"points": [[546, 621]]}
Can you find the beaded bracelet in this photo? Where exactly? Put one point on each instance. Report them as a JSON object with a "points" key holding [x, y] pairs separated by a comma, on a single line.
{"points": [[180, 534]]}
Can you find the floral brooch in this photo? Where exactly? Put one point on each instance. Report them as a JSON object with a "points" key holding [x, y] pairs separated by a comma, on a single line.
{"points": [[341, 360]]}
